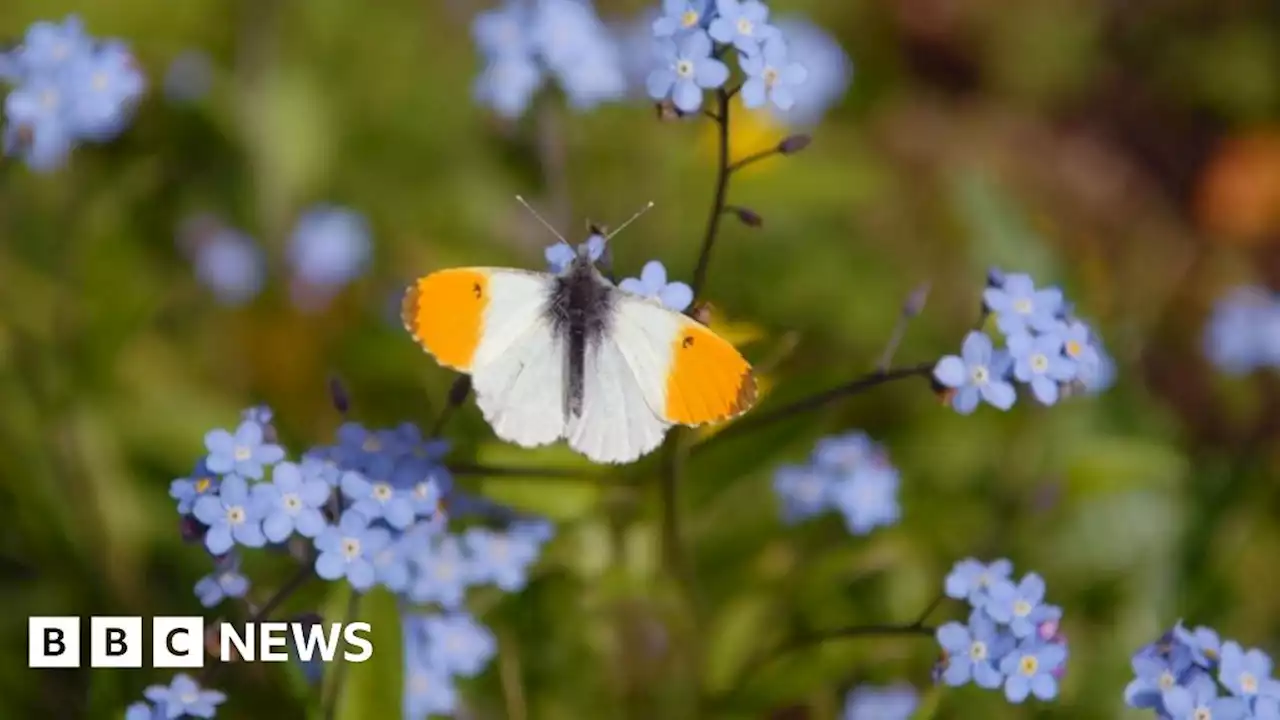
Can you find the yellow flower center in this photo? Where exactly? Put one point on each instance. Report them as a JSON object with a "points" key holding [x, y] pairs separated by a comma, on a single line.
{"points": [[99, 81], [291, 501], [770, 76], [446, 571], [978, 651], [188, 698], [745, 26], [1167, 680], [1022, 608], [1203, 713], [1029, 665], [422, 490], [371, 444], [684, 68], [689, 18], [382, 492], [351, 548], [242, 453], [235, 515], [419, 683], [1039, 363], [1074, 348], [1023, 306], [203, 484], [1248, 683]]}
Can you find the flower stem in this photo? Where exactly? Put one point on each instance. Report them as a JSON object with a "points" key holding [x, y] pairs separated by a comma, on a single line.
{"points": [[334, 692], [273, 603], [721, 118]]}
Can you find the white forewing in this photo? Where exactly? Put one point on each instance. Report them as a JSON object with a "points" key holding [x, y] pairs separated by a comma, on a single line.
{"points": [[625, 383], [519, 370]]}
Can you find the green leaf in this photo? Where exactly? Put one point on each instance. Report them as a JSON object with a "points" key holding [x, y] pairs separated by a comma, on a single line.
{"points": [[372, 688], [733, 637]]}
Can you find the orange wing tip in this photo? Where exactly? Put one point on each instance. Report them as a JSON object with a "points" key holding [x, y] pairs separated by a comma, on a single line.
{"points": [[748, 392], [409, 311]]}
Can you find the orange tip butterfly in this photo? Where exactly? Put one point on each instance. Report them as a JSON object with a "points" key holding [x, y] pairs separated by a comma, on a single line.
{"points": [[572, 356]]}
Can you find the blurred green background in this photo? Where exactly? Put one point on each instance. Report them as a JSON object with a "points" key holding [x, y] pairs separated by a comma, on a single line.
{"points": [[1128, 151]]}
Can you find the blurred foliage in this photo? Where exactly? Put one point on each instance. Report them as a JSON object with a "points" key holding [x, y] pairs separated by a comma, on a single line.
{"points": [[1124, 150]]}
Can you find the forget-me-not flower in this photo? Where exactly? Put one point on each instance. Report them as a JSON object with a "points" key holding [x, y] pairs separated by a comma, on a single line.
{"points": [[226, 581], [970, 579], [292, 502], [103, 86], [1246, 673], [142, 711], [379, 499], [1199, 700], [828, 66], [458, 644], [442, 574], [974, 651], [428, 689], [1030, 670], [1038, 361], [867, 498], [245, 453], [347, 550], [977, 374], [189, 489], [804, 491], [501, 558], [1158, 667], [1014, 605], [741, 23], [1020, 307], [560, 255], [1204, 644], [231, 265], [330, 246], [771, 76], [653, 283], [681, 16], [233, 516], [687, 68], [184, 696], [894, 702]]}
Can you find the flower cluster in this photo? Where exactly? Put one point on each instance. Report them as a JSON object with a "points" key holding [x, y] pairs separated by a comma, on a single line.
{"points": [[894, 702], [329, 248], [67, 88], [1012, 637], [1243, 333], [652, 281], [183, 697], [525, 41], [371, 509], [1196, 675], [848, 473], [693, 36], [1046, 349]]}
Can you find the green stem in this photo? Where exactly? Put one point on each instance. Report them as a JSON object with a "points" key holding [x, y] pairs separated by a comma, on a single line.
{"points": [[334, 692]]}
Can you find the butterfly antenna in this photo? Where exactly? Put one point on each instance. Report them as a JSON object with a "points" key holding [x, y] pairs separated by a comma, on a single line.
{"points": [[630, 220], [540, 219]]}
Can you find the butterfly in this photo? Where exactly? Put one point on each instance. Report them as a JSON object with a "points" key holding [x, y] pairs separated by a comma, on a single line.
{"points": [[571, 356]]}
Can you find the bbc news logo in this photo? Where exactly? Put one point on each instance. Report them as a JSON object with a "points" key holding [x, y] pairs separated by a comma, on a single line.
{"points": [[179, 642]]}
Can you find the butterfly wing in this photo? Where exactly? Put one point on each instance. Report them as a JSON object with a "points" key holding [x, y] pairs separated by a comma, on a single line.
{"points": [[493, 324], [654, 369]]}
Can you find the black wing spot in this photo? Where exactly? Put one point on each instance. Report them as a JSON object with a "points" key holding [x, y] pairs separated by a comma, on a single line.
{"points": [[687, 342], [477, 290]]}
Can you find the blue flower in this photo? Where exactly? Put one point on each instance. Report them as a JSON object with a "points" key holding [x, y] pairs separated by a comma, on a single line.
{"points": [[188, 77], [680, 16], [457, 644], [1039, 362], [507, 85], [330, 246], [771, 76], [428, 689], [1015, 605], [686, 69], [1079, 343], [348, 549], [233, 516], [391, 565], [1030, 670], [1199, 701], [1204, 644], [245, 453], [1246, 674], [36, 128], [1157, 668], [577, 47], [653, 283], [741, 23], [48, 47], [973, 652], [970, 579], [805, 491], [104, 87], [501, 33], [1019, 307], [189, 489], [560, 255], [261, 414], [142, 711], [868, 498], [379, 500], [441, 574], [1235, 338], [830, 71], [502, 558], [423, 483], [230, 264], [978, 374], [224, 582], [184, 696], [292, 502], [895, 702]]}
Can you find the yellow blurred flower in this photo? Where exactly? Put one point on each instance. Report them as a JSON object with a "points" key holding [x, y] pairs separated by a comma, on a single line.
{"points": [[749, 132]]}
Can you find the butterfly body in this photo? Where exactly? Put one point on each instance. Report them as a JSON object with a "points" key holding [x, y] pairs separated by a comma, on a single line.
{"points": [[572, 356]]}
